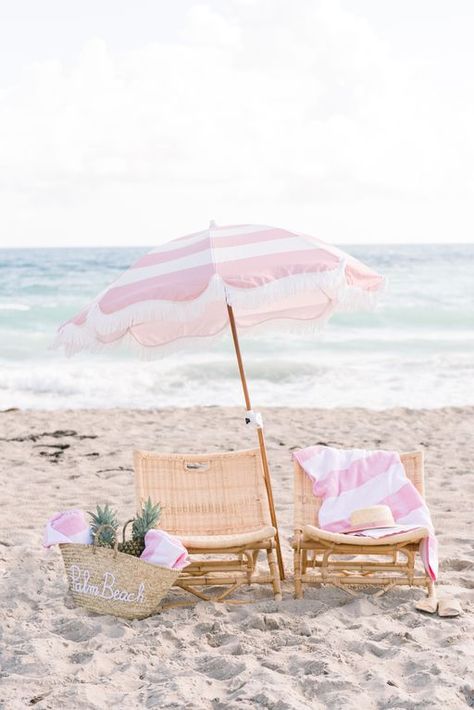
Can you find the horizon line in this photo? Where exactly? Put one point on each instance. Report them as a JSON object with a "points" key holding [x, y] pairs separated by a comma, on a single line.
{"points": [[154, 245]]}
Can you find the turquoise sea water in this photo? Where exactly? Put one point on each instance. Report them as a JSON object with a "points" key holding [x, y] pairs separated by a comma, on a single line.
{"points": [[416, 349]]}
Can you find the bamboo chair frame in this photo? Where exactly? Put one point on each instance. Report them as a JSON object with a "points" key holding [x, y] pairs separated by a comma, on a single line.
{"points": [[313, 555], [217, 505]]}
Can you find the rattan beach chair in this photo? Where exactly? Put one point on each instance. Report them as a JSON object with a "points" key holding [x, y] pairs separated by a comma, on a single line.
{"points": [[217, 505], [317, 553]]}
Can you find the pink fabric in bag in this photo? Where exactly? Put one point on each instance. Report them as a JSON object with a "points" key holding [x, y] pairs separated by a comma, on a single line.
{"points": [[164, 550], [68, 526]]}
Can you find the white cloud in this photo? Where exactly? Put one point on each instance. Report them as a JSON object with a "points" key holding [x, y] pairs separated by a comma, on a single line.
{"points": [[292, 113]]}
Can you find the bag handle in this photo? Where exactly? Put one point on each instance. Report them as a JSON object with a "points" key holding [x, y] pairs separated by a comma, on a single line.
{"points": [[125, 527]]}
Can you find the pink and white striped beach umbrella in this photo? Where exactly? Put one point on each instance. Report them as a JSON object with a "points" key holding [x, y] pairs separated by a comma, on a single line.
{"points": [[240, 276], [180, 291]]}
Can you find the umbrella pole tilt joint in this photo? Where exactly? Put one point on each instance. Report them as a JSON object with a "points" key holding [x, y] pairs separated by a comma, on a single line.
{"points": [[254, 418]]}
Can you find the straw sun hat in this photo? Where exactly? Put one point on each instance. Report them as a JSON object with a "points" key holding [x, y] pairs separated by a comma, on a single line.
{"points": [[377, 516]]}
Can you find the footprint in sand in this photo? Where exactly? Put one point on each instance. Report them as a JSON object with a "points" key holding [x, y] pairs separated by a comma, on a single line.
{"points": [[220, 668], [455, 564], [394, 639], [381, 650], [313, 667], [81, 657], [219, 639], [255, 621], [76, 630], [468, 692], [114, 630]]}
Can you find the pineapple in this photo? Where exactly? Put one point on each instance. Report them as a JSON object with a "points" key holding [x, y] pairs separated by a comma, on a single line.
{"points": [[104, 516], [145, 520]]}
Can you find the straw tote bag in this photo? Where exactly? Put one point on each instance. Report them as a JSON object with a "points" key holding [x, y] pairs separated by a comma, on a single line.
{"points": [[107, 581]]}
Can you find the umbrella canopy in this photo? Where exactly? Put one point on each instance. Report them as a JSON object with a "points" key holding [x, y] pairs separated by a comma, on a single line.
{"points": [[240, 276], [180, 291]]}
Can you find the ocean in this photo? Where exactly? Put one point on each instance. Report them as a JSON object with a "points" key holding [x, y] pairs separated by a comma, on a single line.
{"points": [[416, 349]]}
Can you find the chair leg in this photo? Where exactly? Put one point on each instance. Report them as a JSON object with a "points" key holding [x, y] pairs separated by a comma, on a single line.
{"points": [[250, 565], [297, 566], [411, 565], [275, 575], [432, 593]]}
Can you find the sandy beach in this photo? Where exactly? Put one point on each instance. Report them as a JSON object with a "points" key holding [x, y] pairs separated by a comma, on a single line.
{"points": [[219, 203], [327, 651]]}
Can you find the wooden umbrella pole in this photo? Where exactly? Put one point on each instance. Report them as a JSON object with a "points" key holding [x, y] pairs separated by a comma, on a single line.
{"points": [[261, 439]]}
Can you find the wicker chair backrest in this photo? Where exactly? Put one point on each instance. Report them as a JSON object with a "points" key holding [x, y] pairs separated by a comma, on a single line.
{"points": [[204, 494]]}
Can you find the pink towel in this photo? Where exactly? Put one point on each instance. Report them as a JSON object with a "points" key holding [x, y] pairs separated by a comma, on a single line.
{"points": [[164, 550], [348, 480], [69, 526]]}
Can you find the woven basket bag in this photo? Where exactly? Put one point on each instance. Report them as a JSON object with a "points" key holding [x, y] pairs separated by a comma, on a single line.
{"points": [[107, 581]]}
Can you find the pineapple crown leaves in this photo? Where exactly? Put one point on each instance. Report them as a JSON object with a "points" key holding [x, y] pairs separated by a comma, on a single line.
{"points": [[146, 519], [104, 516]]}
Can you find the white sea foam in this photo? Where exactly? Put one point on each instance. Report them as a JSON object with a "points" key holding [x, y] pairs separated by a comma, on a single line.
{"points": [[372, 382], [14, 307]]}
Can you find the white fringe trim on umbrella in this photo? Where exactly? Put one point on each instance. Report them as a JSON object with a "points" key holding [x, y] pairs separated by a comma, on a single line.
{"points": [[99, 325], [79, 340]]}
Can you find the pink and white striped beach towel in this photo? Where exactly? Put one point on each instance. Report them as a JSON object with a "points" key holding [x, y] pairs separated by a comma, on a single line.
{"points": [[347, 480]]}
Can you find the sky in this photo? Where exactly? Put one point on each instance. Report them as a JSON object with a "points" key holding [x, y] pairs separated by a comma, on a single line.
{"points": [[131, 123]]}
